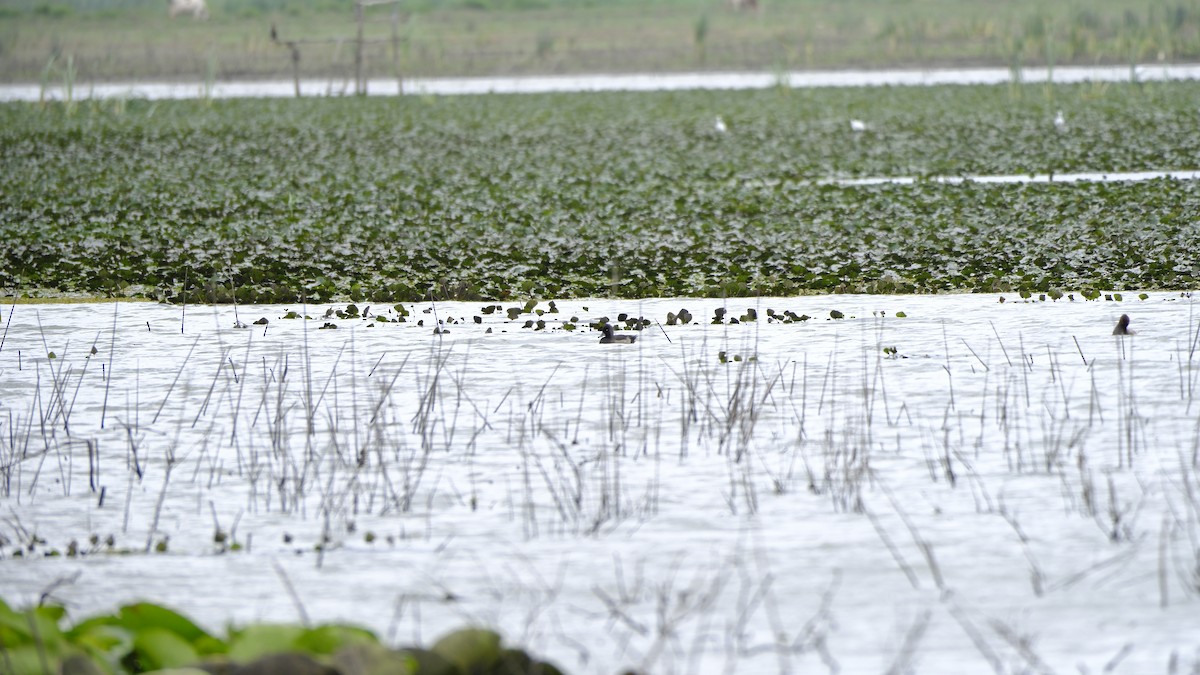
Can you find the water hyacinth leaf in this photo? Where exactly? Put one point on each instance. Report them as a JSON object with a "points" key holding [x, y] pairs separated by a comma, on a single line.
{"points": [[14, 628], [471, 649], [249, 643], [329, 638], [139, 616], [372, 658], [27, 658], [102, 635], [157, 648], [38, 625], [422, 661]]}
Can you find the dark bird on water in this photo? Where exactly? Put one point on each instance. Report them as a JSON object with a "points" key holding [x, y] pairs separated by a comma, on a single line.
{"points": [[1123, 326], [611, 339]]}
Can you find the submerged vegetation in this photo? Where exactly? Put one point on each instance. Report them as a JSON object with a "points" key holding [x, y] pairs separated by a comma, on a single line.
{"points": [[574, 195]]}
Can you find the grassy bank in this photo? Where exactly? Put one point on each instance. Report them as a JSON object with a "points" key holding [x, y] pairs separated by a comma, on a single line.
{"points": [[122, 39], [630, 195]]}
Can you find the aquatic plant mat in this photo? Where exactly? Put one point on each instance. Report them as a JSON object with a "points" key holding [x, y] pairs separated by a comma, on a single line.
{"points": [[147, 638], [616, 194], [853, 484]]}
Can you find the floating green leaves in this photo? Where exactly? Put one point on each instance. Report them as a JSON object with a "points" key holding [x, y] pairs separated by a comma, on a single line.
{"points": [[146, 637], [616, 194]]}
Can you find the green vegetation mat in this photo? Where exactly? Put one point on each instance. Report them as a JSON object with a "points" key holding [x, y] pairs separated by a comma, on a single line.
{"points": [[149, 638], [573, 195]]}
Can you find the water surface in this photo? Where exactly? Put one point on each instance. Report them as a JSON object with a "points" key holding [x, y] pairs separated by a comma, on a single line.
{"points": [[975, 485], [603, 82]]}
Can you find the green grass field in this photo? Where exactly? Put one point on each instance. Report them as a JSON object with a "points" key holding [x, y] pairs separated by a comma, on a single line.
{"points": [[575, 195], [122, 39]]}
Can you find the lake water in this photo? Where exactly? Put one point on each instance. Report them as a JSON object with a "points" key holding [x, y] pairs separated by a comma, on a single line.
{"points": [[975, 486], [602, 82]]}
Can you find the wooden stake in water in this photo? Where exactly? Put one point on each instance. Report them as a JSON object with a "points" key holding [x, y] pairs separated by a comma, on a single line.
{"points": [[1080, 350], [664, 331], [6, 325], [108, 378], [183, 315]]}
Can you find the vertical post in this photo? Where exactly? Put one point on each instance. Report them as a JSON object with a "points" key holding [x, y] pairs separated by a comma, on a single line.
{"points": [[360, 85], [295, 67], [396, 47]]}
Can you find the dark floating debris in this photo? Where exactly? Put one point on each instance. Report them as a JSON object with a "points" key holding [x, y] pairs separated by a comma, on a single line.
{"points": [[683, 317], [726, 357], [788, 316], [351, 312]]}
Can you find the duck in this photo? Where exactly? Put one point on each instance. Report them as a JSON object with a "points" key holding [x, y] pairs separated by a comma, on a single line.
{"points": [[1123, 326], [611, 339]]}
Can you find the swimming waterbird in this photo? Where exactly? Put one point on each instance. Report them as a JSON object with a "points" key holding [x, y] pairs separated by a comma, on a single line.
{"points": [[1123, 326], [611, 339]]}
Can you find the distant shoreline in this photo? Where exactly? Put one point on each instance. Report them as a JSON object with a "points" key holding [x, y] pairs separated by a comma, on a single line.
{"points": [[606, 82]]}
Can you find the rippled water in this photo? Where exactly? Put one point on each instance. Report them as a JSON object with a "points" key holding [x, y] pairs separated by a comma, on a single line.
{"points": [[601, 82], [1010, 488]]}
